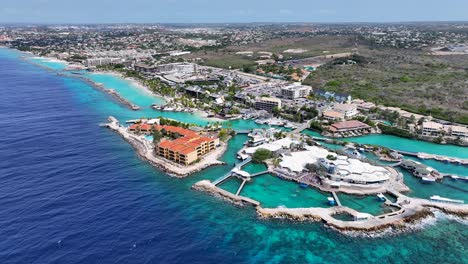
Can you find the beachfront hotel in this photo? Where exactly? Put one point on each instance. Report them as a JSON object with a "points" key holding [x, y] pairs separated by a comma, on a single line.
{"points": [[187, 147]]}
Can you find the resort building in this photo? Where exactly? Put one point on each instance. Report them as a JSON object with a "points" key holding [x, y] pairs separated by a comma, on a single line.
{"points": [[348, 110], [144, 68], [187, 147], [459, 131], [268, 103], [332, 115], [349, 128], [434, 129], [340, 170], [295, 91], [102, 61]]}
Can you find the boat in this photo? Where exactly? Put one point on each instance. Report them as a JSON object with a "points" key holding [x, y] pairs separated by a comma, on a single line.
{"points": [[133, 121], [381, 197], [426, 179], [303, 185], [259, 121], [437, 198], [331, 200]]}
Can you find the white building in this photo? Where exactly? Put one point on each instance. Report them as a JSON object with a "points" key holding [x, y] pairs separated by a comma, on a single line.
{"points": [[268, 103], [343, 169], [348, 110], [102, 61], [295, 91], [430, 128]]}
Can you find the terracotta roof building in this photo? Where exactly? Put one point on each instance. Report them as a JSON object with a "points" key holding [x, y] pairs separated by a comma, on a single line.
{"points": [[187, 147], [349, 127]]}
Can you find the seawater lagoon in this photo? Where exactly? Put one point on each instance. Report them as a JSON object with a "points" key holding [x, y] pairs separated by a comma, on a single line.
{"points": [[73, 192]]}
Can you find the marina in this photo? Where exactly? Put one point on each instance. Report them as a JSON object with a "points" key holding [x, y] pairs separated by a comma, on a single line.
{"points": [[244, 188]]}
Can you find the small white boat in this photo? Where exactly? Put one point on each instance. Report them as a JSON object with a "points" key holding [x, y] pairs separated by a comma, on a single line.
{"points": [[381, 197], [437, 198], [425, 179], [331, 200]]}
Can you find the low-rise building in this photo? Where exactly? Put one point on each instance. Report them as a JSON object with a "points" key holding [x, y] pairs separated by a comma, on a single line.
{"points": [[332, 115], [458, 131], [348, 110], [351, 127], [187, 147], [144, 68], [102, 61], [434, 129], [295, 91], [268, 103], [430, 128]]}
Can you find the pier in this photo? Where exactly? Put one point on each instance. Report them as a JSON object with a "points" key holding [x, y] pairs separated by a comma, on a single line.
{"points": [[246, 131], [231, 173], [240, 187], [422, 155], [222, 179], [260, 173], [337, 200]]}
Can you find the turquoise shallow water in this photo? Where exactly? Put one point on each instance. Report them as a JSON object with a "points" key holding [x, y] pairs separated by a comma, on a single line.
{"points": [[168, 222], [405, 144]]}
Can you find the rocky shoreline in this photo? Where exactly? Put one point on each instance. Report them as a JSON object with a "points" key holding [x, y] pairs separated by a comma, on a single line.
{"points": [[145, 150], [412, 211]]}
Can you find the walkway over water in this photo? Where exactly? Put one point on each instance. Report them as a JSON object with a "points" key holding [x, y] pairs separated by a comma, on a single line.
{"points": [[302, 127], [336, 198], [222, 179], [422, 155], [260, 173], [240, 187], [246, 131], [229, 174]]}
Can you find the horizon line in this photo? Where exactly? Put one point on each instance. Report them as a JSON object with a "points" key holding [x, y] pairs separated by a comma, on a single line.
{"points": [[217, 23]]}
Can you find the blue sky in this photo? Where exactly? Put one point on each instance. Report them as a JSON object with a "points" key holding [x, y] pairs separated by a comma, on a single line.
{"points": [[212, 11]]}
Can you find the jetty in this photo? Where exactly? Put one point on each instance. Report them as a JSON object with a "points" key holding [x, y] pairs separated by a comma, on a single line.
{"points": [[422, 155], [245, 131], [100, 87], [337, 200], [233, 172]]}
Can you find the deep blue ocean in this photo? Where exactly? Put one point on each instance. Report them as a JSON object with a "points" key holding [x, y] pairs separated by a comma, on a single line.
{"points": [[73, 192]]}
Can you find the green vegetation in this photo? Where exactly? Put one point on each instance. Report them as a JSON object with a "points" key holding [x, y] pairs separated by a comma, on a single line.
{"points": [[409, 79], [260, 155], [365, 120], [395, 131], [159, 87], [157, 136], [331, 157], [170, 122], [316, 125], [279, 70], [224, 134]]}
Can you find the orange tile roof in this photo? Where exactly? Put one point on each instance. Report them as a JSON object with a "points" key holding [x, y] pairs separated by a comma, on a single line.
{"points": [[351, 124], [186, 144]]}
